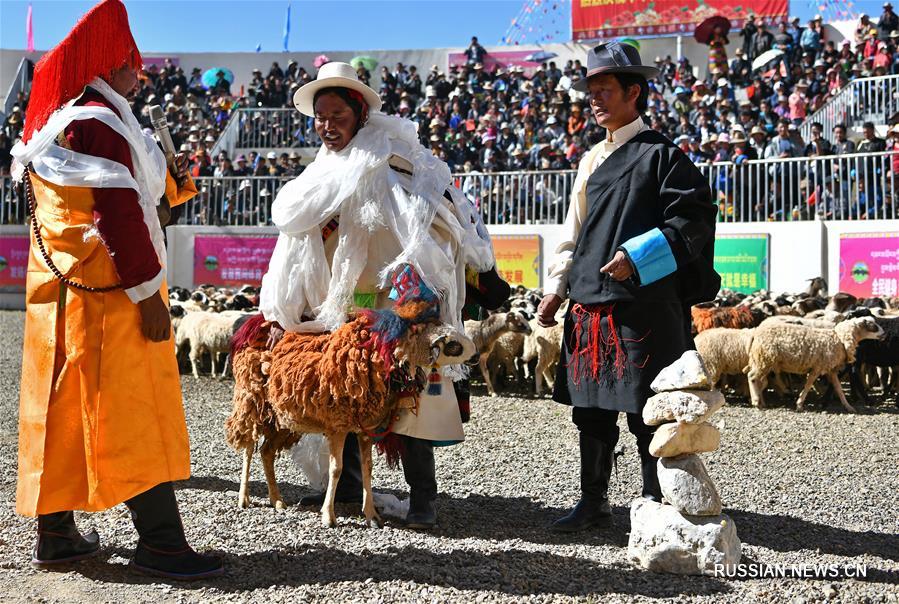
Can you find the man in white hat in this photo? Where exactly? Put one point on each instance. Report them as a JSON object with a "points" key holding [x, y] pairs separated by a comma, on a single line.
{"points": [[423, 226]]}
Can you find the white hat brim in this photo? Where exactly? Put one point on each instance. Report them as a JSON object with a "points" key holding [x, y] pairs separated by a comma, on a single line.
{"points": [[304, 97]]}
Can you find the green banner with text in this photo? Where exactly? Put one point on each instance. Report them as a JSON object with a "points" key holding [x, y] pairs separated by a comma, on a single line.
{"points": [[742, 261]]}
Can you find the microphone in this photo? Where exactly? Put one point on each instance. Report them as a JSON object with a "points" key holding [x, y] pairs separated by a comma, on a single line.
{"points": [[161, 126]]}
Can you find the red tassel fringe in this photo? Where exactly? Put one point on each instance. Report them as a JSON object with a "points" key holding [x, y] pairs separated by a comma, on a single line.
{"points": [[603, 347], [391, 447], [254, 332], [100, 43]]}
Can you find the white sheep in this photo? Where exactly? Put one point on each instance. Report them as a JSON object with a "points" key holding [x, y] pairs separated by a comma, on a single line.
{"points": [[545, 345], [793, 348], [207, 332], [724, 350], [826, 315], [792, 320], [506, 355], [485, 333]]}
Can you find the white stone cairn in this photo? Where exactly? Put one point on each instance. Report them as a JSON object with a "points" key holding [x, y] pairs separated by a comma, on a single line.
{"points": [[687, 534]]}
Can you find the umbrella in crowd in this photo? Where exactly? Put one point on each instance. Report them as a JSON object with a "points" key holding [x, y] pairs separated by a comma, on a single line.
{"points": [[704, 30], [540, 56], [766, 57], [369, 63], [211, 76], [320, 60]]}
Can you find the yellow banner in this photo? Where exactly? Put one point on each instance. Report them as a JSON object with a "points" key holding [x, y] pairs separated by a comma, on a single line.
{"points": [[518, 259]]}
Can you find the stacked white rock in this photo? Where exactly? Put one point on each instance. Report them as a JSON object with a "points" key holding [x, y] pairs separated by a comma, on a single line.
{"points": [[688, 534]]}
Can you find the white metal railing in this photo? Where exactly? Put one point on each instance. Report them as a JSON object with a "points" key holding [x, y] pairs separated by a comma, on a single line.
{"points": [[264, 128], [834, 187], [858, 186], [872, 99]]}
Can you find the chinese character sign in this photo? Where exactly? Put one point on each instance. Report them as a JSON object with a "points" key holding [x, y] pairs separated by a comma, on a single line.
{"points": [[518, 259], [742, 262], [595, 19], [13, 260], [231, 260], [869, 264]]}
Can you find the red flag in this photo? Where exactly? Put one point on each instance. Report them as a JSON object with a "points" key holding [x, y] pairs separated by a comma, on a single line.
{"points": [[29, 32]]}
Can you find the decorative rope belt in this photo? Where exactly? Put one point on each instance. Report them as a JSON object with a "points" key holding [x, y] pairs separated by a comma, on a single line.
{"points": [[603, 349]]}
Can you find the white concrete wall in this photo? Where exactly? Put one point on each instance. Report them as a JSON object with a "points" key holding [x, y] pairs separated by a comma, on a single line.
{"points": [[799, 251]]}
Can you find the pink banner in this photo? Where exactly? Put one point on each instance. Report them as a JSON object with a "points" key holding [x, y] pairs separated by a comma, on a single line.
{"points": [[13, 259], [505, 59], [869, 264], [231, 259]]}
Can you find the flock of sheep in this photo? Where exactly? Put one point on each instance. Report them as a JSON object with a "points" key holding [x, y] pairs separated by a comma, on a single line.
{"points": [[745, 340]]}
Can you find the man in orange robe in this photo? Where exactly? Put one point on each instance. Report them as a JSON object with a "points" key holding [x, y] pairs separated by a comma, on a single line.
{"points": [[101, 420]]}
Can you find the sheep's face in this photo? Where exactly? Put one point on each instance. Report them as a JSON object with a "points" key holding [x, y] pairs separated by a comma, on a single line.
{"points": [[864, 328], [769, 309], [516, 321], [434, 344]]}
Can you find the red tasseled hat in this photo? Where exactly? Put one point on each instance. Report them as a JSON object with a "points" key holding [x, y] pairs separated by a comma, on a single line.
{"points": [[100, 43]]}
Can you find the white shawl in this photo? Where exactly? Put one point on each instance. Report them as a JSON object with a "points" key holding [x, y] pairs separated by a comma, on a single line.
{"points": [[358, 184], [68, 168]]}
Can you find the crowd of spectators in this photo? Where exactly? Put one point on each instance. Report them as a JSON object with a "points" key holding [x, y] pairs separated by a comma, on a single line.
{"points": [[511, 119]]}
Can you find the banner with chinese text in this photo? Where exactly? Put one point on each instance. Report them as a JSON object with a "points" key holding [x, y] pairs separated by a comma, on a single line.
{"points": [[595, 19], [742, 261], [13, 260], [518, 259], [869, 264], [231, 259]]}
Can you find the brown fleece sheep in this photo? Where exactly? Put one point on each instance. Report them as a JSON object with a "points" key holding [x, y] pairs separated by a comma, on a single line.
{"points": [[735, 317], [331, 384]]}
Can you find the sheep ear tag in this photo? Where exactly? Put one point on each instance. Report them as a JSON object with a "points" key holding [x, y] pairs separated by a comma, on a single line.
{"points": [[435, 382]]}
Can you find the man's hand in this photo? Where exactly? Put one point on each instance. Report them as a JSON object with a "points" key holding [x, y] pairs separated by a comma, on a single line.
{"points": [[276, 332], [154, 318], [179, 166], [546, 312], [619, 268]]}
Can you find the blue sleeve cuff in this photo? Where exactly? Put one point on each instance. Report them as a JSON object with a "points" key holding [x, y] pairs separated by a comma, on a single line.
{"points": [[651, 256]]}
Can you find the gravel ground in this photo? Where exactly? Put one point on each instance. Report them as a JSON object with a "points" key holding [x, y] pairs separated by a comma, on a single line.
{"points": [[817, 487]]}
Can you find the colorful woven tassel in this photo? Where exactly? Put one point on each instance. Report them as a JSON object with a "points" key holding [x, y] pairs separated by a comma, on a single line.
{"points": [[435, 382]]}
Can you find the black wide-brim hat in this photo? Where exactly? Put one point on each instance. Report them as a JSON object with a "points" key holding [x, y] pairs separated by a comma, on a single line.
{"points": [[614, 57]]}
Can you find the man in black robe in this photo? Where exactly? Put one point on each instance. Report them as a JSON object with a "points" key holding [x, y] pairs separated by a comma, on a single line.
{"points": [[637, 254]]}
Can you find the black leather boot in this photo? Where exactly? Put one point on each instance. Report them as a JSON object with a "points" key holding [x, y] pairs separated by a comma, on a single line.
{"points": [[649, 469], [349, 487], [418, 467], [162, 549], [59, 542], [596, 469]]}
